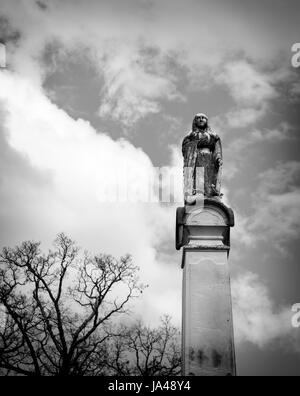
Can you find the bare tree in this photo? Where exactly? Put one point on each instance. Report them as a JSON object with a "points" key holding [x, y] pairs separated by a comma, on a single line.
{"points": [[59, 306], [139, 350]]}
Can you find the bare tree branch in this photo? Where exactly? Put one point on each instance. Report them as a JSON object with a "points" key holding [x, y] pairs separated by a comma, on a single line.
{"points": [[143, 351], [57, 311]]}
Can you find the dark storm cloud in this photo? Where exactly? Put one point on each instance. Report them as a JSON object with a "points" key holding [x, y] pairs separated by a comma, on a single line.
{"points": [[43, 6], [7, 33]]}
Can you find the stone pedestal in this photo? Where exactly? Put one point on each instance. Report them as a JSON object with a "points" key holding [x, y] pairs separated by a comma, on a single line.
{"points": [[207, 341]]}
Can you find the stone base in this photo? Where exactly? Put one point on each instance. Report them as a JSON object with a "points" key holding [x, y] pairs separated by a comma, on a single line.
{"points": [[208, 342], [207, 339]]}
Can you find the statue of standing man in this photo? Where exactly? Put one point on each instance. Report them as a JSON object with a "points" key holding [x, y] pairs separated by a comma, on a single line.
{"points": [[203, 160]]}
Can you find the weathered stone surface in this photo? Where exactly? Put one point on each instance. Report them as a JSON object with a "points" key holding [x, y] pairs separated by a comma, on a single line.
{"points": [[208, 341], [203, 159], [203, 230], [210, 222]]}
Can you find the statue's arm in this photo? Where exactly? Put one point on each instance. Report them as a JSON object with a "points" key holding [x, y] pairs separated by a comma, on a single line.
{"points": [[185, 144], [218, 151]]}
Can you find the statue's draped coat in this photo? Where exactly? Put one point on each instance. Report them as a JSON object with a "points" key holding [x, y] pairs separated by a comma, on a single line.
{"points": [[202, 149]]}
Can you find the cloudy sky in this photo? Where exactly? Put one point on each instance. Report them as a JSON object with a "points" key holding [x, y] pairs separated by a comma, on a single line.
{"points": [[93, 86]]}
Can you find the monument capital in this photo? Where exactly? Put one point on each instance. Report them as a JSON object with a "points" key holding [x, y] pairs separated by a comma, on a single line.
{"points": [[212, 213]]}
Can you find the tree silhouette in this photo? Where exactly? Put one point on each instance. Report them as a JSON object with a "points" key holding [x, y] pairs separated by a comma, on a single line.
{"points": [[59, 312], [140, 350], [59, 306]]}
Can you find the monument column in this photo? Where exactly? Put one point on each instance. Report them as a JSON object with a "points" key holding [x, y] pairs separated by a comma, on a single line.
{"points": [[203, 231]]}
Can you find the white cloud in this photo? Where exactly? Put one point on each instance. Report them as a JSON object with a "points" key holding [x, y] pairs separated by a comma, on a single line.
{"points": [[247, 85], [251, 89], [134, 81], [133, 87], [74, 162], [132, 43], [277, 202], [235, 152], [256, 318], [242, 118], [276, 208], [284, 132]]}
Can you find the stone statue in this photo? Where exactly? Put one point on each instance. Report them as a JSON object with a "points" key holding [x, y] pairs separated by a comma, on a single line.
{"points": [[203, 160]]}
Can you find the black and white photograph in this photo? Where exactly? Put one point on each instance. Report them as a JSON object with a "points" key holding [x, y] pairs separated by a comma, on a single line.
{"points": [[149, 191]]}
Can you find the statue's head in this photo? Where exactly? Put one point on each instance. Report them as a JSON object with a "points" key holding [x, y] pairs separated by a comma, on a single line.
{"points": [[200, 122]]}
